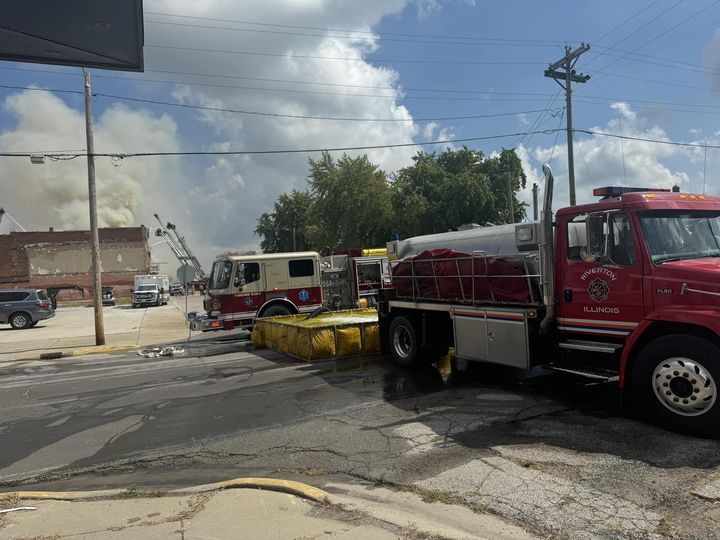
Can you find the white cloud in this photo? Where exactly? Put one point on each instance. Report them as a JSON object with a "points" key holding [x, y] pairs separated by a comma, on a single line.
{"points": [[236, 205], [601, 160]]}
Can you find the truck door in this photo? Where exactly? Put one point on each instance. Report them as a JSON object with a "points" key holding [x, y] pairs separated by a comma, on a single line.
{"points": [[599, 288], [249, 286]]}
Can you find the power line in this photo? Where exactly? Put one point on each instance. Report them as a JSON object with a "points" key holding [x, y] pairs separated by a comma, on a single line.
{"points": [[645, 25], [541, 96], [600, 100], [623, 23], [557, 133], [350, 59], [663, 62], [537, 122], [661, 34], [296, 116], [285, 151], [325, 29], [120, 155], [316, 83], [499, 43], [644, 139]]}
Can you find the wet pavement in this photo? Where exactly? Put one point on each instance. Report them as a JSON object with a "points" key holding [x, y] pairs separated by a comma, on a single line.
{"points": [[544, 450]]}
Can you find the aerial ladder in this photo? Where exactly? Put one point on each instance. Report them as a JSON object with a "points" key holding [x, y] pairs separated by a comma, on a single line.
{"points": [[3, 212], [179, 246]]}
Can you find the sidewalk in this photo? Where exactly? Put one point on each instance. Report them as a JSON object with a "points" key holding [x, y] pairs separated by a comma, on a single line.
{"points": [[72, 330], [280, 510]]}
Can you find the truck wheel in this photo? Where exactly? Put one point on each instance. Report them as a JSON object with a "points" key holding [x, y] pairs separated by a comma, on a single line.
{"points": [[403, 342], [275, 311], [20, 320], [674, 382]]}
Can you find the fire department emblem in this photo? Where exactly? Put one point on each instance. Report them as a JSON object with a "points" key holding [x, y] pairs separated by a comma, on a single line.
{"points": [[303, 295], [598, 290], [248, 301]]}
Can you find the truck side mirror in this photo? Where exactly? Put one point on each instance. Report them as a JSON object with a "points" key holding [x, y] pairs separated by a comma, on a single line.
{"points": [[596, 231]]}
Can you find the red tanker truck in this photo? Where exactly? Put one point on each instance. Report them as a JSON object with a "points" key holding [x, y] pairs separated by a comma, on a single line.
{"points": [[626, 289]]}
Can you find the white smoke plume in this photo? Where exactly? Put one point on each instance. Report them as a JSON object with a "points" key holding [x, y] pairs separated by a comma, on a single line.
{"points": [[56, 193]]}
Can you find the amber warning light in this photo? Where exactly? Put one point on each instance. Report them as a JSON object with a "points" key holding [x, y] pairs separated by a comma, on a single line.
{"points": [[616, 191]]}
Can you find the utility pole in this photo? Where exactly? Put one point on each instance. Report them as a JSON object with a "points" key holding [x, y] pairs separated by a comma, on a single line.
{"points": [[510, 191], [569, 76], [535, 201], [94, 235]]}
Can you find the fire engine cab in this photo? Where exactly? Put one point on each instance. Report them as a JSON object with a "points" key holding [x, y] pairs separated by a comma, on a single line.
{"points": [[243, 287]]}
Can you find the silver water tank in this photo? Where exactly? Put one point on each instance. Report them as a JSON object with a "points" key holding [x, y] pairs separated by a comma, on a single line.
{"points": [[495, 240]]}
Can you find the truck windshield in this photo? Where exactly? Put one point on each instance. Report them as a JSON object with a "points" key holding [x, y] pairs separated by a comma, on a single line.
{"points": [[220, 275], [147, 287], [673, 235]]}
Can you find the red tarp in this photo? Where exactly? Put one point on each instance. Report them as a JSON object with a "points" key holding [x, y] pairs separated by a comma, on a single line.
{"points": [[446, 274]]}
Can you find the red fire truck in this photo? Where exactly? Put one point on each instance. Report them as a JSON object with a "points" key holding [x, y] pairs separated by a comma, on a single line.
{"points": [[242, 288], [626, 289]]}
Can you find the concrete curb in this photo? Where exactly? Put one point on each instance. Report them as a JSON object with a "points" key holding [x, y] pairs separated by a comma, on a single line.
{"points": [[82, 351], [269, 484]]}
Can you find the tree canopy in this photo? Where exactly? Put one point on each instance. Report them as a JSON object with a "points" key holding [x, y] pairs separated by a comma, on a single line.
{"points": [[351, 203]]}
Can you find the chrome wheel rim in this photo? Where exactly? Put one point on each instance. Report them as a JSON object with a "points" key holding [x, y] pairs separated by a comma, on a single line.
{"points": [[402, 342], [20, 321], [684, 386]]}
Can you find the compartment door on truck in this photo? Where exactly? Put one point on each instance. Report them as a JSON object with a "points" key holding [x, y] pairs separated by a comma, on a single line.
{"points": [[598, 296]]}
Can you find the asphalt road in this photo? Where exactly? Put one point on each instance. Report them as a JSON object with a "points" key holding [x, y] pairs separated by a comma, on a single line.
{"points": [[542, 450]]}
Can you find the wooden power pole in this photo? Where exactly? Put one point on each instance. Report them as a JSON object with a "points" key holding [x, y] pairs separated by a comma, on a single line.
{"points": [[568, 77]]}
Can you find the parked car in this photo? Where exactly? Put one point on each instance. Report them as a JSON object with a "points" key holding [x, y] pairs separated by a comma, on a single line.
{"points": [[24, 308], [107, 296], [176, 289]]}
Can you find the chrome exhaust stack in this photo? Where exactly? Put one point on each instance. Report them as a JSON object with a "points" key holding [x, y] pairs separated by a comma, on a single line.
{"points": [[547, 251]]}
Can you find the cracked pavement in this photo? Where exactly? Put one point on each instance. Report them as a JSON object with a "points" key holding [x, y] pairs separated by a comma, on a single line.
{"points": [[542, 450]]}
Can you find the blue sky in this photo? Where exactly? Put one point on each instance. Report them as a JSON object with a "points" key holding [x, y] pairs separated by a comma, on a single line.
{"points": [[654, 68]]}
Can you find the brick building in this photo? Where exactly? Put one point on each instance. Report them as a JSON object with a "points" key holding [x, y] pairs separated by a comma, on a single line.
{"points": [[46, 259]]}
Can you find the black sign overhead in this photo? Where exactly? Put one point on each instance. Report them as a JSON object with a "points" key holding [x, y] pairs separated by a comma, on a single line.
{"points": [[106, 34]]}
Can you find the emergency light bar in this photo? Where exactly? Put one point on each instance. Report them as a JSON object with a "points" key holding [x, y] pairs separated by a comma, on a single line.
{"points": [[615, 191]]}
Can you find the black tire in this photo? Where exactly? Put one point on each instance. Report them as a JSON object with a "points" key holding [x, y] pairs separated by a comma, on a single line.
{"points": [[403, 342], [20, 320], [675, 382], [276, 311]]}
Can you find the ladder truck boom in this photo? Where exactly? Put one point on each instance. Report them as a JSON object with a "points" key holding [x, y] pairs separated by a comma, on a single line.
{"points": [[179, 247]]}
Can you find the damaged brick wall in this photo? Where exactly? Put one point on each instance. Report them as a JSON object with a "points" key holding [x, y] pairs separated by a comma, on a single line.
{"points": [[45, 259]]}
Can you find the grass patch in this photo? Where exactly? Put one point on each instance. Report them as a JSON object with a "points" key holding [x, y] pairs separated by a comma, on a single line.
{"points": [[5, 504], [135, 494], [667, 527]]}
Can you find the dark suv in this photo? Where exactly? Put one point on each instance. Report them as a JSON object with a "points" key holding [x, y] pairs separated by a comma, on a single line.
{"points": [[24, 308]]}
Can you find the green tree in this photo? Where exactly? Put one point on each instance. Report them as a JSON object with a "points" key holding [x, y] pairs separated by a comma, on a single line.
{"points": [[438, 193], [352, 202], [291, 215]]}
